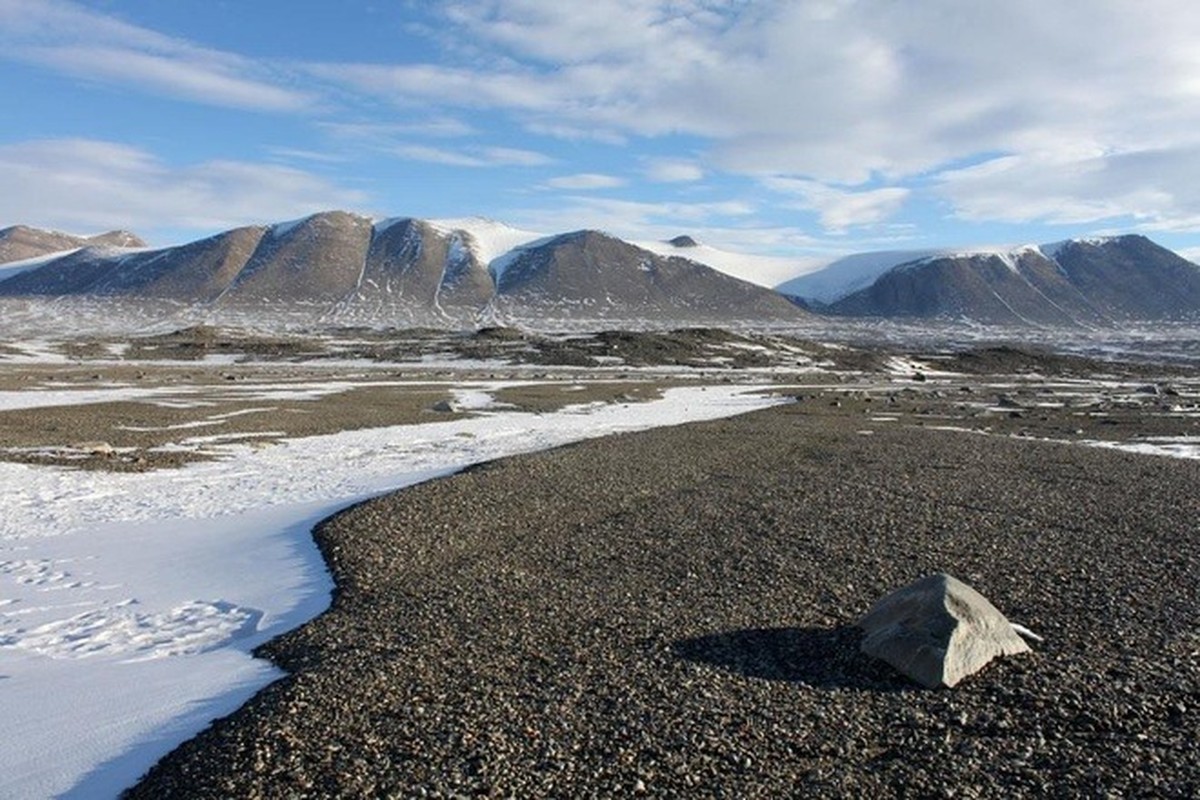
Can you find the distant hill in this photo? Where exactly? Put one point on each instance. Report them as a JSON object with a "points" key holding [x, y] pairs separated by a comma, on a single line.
{"points": [[20, 242], [1102, 281]]}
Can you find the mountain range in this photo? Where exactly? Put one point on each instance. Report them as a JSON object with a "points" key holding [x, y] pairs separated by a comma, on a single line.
{"points": [[1090, 282], [341, 268], [344, 269]]}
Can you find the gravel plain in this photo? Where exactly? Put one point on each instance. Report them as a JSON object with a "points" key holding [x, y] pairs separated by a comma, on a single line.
{"points": [[671, 613]]}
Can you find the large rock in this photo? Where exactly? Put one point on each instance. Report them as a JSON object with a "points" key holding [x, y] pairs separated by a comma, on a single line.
{"points": [[938, 631]]}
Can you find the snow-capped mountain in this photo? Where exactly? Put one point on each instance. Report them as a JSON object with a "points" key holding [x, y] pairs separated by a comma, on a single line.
{"points": [[600, 276], [20, 242], [342, 268], [345, 269], [835, 280], [1099, 281], [759, 269]]}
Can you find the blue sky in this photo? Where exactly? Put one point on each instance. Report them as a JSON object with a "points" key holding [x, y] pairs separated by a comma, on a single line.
{"points": [[805, 128]]}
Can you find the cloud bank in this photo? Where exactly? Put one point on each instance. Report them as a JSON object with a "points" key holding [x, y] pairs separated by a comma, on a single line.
{"points": [[85, 186], [1098, 99]]}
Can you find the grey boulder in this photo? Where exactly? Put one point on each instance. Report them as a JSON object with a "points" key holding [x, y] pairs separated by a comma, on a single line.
{"points": [[938, 631]]}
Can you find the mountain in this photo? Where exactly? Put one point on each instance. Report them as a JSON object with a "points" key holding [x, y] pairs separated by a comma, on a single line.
{"points": [[835, 280], [417, 271], [1080, 282], [198, 271], [20, 242], [340, 268], [589, 273]]}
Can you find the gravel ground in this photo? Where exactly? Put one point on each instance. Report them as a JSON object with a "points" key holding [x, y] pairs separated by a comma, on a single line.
{"points": [[671, 613]]}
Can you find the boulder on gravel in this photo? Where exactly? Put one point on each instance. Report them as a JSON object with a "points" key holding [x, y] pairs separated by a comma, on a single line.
{"points": [[938, 631]]}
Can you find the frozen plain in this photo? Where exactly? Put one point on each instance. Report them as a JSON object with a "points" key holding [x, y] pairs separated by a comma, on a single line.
{"points": [[130, 603]]}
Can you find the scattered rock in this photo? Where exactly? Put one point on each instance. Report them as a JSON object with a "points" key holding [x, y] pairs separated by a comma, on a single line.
{"points": [[938, 631], [444, 407]]}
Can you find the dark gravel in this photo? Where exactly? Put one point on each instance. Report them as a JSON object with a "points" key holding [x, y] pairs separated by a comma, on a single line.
{"points": [[670, 613]]}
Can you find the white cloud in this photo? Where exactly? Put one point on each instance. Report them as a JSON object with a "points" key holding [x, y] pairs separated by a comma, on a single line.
{"points": [[472, 156], [585, 181], [1191, 254], [413, 84], [1157, 189], [629, 218], [95, 47], [576, 134], [1071, 111], [514, 156], [437, 155], [388, 132], [841, 93], [673, 171], [839, 209], [300, 154], [88, 185]]}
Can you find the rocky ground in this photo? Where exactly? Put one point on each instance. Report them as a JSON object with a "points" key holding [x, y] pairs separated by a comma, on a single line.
{"points": [[671, 614], [170, 399]]}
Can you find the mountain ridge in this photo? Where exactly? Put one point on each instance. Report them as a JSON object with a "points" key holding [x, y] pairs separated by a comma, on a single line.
{"points": [[338, 267], [335, 266], [1086, 282]]}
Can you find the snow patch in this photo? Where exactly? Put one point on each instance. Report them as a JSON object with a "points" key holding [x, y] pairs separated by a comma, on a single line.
{"points": [[758, 269], [1052, 249], [487, 238], [122, 630], [281, 229], [835, 280], [1173, 446], [11, 268], [847, 275], [382, 225]]}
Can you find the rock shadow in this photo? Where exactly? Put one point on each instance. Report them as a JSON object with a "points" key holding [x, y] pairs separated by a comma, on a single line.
{"points": [[824, 658]]}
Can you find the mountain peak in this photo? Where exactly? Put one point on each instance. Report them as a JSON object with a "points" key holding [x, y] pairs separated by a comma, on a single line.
{"points": [[20, 242], [1052, 249]]}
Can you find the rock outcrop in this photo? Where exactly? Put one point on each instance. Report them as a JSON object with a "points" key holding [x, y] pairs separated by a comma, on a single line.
{"points": [[938, 631]]}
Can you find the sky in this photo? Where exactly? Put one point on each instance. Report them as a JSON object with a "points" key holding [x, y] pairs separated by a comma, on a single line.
{"points": [[801, 128]]}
